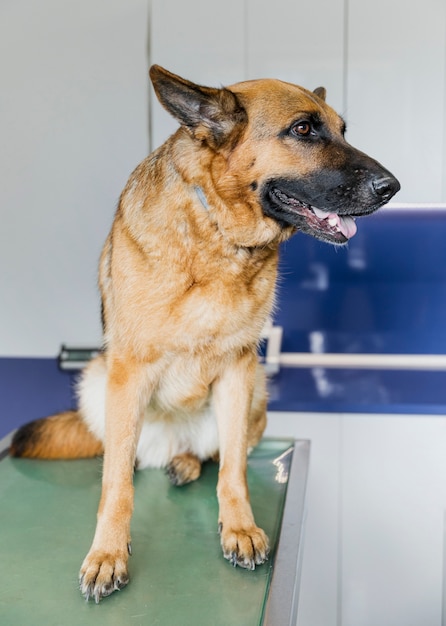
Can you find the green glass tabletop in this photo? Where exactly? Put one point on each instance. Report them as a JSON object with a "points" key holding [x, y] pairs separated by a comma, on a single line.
{"points": [[178, 574]]}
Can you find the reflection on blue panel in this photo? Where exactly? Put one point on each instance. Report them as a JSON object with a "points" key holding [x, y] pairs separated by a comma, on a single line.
{"points": [[384, 292], [358, 391]]}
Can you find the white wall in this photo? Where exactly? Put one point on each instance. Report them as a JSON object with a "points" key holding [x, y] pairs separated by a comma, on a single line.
{"points": [[74, 119], [73, 124]]}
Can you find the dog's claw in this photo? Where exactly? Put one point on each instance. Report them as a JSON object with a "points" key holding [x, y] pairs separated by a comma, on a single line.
{"points": [[246, 563], [97, 592], [120, 584], [245, 548], [101, 576]]}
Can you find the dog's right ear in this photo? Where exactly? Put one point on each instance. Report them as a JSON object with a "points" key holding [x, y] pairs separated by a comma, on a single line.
{"points": [[211, 115]]}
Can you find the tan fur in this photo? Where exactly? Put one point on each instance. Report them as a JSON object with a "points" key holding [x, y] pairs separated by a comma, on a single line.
{"points": [[184, 468], [187, 278], [181, 288], [61, 436]]}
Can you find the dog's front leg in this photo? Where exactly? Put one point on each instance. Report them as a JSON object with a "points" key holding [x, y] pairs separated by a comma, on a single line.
{"points": [[243, 543], [105, 567]]}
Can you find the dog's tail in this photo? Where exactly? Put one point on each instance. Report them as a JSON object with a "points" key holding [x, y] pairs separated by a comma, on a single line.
{"points": [[61, 436]]}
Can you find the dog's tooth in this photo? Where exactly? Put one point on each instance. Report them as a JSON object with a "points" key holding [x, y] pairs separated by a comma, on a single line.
{"points": [[333, 221], [322, 215]]}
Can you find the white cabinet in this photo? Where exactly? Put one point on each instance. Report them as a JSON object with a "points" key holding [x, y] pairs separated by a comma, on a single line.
{"points": [[73, 125], [222, 43], [393, 477], [383, 64], [74, 118], [396, 97], [299, 42], [374, 543]]}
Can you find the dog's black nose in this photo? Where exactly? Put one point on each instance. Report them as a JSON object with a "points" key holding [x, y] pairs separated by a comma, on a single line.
{"points": [[385, 187]]}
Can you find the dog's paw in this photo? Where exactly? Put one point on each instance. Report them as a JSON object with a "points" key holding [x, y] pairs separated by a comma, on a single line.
{"points": [[102, 573], [183, 469], [245, 547]]}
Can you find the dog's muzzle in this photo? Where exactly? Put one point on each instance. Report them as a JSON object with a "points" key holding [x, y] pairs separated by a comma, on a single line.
{"points": [[325, 210]]}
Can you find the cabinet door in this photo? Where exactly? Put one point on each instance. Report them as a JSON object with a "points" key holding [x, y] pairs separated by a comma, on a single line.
{"points": [[299, 42], [396, 91], [393, 481], [73, 125]]}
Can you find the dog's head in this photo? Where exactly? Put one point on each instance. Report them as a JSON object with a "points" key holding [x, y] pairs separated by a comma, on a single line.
{"points": [[280, 150]]}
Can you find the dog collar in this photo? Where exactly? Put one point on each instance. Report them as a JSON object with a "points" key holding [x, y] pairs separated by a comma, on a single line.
{"points": [[202, 197]]}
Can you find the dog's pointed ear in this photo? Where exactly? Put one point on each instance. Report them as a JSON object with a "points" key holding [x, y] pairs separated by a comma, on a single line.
{"points": [[211, 114], [321, 92]]}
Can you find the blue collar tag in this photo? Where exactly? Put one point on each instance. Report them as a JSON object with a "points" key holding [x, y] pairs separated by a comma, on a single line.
{"points": [[200, 193]]}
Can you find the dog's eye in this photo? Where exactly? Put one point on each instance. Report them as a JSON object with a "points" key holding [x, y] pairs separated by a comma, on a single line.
{"points": [[302, 128]]}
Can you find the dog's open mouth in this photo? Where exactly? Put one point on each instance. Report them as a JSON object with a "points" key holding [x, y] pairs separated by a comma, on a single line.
{"points": [[322, 224]]}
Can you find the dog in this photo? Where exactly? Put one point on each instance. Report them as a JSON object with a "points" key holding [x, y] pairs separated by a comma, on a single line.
{"points": [[187, 279]]}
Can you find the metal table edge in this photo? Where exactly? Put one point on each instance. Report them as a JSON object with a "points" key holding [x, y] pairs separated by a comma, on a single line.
{"points": [[282, 602]]}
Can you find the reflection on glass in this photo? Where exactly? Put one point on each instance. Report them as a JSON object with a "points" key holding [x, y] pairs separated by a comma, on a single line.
{"points": [[283, 465]]}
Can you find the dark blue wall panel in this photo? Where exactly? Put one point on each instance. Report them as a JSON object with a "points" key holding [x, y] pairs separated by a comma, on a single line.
{"points": [[385, 292]]}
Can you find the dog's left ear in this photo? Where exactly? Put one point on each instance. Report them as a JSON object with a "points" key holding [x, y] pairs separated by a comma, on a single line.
{"points": [[210, 114], [321, 92]]}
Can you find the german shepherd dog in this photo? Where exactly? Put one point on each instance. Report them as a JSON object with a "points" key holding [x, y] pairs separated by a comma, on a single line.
{"points": [[187, 279]]}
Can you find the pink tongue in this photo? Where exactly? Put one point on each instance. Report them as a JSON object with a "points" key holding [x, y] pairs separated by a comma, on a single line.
{"points": [[347, 226]]}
